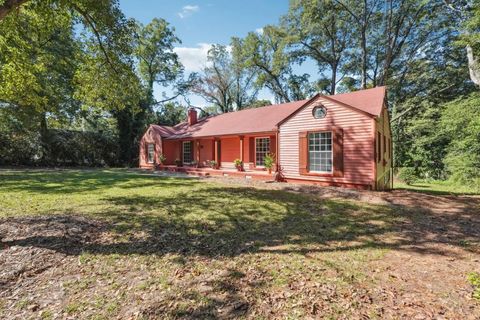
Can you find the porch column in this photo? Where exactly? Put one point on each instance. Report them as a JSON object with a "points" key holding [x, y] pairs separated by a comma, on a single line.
{"points": [[216, 151], [241, 148], [198, 151]]}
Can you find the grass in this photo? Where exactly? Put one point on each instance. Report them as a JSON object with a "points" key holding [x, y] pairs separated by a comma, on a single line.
{"points": [[136, 244], [438, 188]]}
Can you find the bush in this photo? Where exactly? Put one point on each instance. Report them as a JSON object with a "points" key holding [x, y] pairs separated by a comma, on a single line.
{"points": [[474, 279], [269, 161], [162, 158], [408, 175]]}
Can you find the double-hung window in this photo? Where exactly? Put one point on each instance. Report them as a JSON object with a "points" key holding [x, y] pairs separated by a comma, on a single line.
{"points": [[320, 152], [187, 152], [262, 148], [150, 152]]}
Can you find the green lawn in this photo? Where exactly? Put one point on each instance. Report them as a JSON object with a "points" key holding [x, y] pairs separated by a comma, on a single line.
{"points": [[439, 187], [123, 244]]}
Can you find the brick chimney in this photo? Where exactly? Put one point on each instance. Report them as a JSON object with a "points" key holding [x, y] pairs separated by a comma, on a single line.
{"points": [[192, 116]]}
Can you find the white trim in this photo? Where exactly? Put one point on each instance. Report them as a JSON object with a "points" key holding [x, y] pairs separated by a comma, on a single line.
{"points": [[255, 153], [148, 153], [331, 152]]}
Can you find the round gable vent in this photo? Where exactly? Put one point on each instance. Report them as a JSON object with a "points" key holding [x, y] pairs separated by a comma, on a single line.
{"points": [[319, 112]]}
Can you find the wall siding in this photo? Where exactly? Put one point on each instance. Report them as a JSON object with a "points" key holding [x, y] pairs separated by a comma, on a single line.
{"points": [[149, 137], [358, 149]]}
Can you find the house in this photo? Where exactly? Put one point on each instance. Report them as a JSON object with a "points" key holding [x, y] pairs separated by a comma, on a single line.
{"points": [[339, 140]]}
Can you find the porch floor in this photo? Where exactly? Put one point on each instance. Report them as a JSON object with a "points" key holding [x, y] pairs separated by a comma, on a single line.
{"points": [[226, 172]]}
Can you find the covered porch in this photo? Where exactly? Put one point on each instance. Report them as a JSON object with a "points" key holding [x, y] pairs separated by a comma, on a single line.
{"points": [[197, 153], [225, 172]]}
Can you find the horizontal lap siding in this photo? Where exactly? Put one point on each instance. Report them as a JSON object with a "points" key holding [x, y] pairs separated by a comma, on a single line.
{"points": [[171, 151], [149, 137], [206, 151], [357, 142], [229, 151]]}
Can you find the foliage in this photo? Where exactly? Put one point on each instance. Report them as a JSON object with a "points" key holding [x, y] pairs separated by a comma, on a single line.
{"points": [[238, 164], [408, 175], [178, 162], [269, 161], [171, 113], [225, 82], [461, 121], [474, 279], [162, 158], [267, 55], [213, 164]]}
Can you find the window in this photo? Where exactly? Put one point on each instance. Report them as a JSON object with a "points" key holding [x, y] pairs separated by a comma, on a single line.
{"points": [[262, 148], [150, 152], [187, 152], [320, 155]]}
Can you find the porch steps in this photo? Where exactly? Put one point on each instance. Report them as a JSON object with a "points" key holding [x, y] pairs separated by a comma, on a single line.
{"points": [[205, 172]]}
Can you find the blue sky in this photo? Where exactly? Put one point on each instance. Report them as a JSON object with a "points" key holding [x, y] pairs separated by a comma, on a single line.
{"points": [[202, 23]]}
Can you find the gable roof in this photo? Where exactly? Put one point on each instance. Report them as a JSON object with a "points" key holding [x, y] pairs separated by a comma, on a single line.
{"points": [[368, 100], [266, 119]]}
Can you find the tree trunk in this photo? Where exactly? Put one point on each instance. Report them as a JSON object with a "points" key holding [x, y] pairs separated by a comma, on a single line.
{"points": [[333, 81], [44, 138], [473, 66], [364, 60], [8, 6]]}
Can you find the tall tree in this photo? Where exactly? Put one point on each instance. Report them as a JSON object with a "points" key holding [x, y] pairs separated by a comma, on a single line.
{"points": [[226, 82], [37, 64], [158, 63], [321, 30], [266, 53]]}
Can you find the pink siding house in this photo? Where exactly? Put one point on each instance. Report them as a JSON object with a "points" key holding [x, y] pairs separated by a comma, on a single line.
{"points": [[340, 140]]}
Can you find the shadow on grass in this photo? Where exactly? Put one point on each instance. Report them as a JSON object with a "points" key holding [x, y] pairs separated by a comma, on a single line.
{"points": [[228, 221], [77, 181]]}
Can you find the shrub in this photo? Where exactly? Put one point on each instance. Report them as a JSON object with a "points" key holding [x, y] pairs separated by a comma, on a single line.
{"points": [[162, 158], [269, 161], [213, 164], [238, 164], [474, 279], [408, 175], [178, 162]]}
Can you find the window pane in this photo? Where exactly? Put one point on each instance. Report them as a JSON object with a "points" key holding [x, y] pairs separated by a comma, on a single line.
{"points": [[320, 151], [187, 152], [262, 148], [150, 152]]}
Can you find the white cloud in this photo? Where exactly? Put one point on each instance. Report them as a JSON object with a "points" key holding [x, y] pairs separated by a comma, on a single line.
{"points": [[193, 58], [259, 31], [188, 10]]}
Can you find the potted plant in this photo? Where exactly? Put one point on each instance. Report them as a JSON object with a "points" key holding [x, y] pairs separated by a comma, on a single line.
{"points": [[238, 164], [213, 164], [178, 162], [269, 162], [162, 158], [194, 164]]}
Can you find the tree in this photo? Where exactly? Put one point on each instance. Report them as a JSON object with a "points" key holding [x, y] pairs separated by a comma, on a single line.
{"points": [[158, 63], [215, 83], [226, 82], [267, 55], [37, 64], [320, 30], [469, 14], [171, 114]]}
